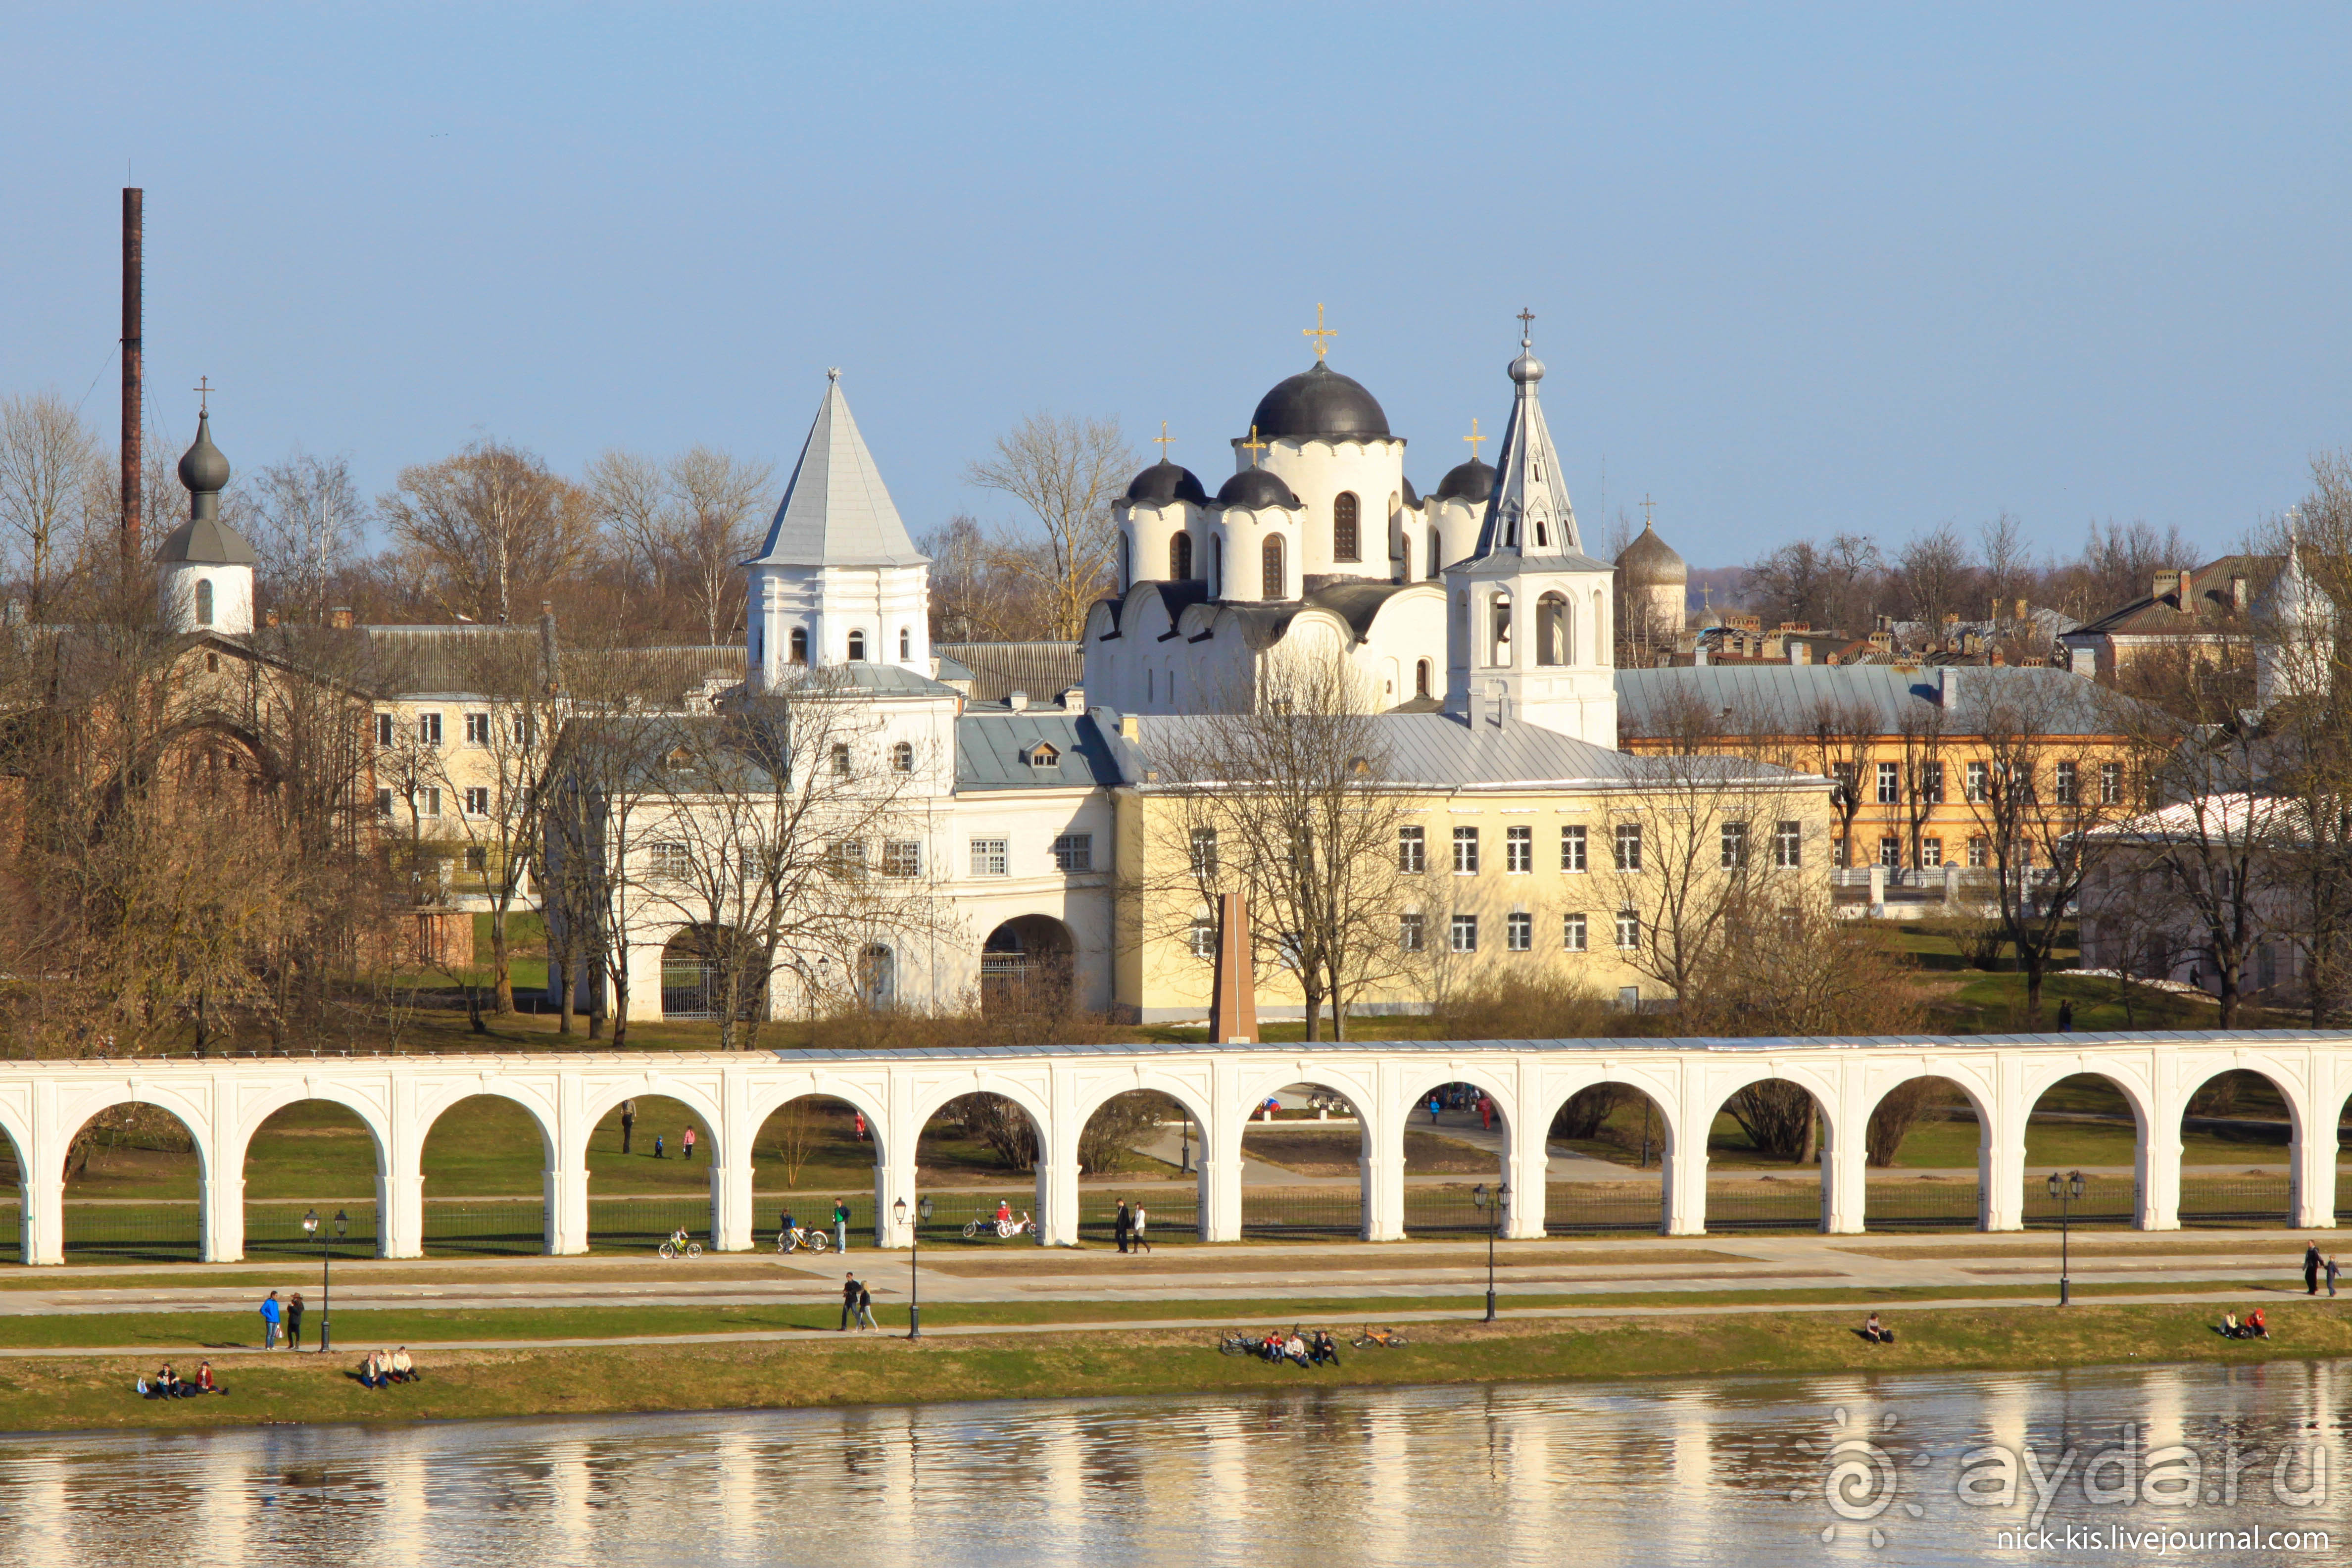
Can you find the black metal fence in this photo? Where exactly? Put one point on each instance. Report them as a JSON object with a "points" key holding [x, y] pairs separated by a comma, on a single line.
{"points": [[1302, 1214]]}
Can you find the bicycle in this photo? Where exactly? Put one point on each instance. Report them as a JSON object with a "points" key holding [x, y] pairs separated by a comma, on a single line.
{"points": [[1002, 1229], [1386, 1338], [677, 1246], [801, 1236], [1239, 1344]]}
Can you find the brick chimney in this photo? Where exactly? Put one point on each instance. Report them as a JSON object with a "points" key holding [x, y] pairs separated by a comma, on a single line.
{"points": [[339, 617]]}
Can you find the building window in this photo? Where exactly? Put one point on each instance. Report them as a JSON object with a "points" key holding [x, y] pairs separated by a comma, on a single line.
{"points": [[1572, 849], [856, 645], [1629, 931], [1519, 931], [203, 602], [1572, 934], [840, 760], [988, 857], [902, 858], [1270, 584], [1931, 782], [1890, 783], [1216, 566], [670, 861], [902, 757], [1519, 849], [1977, 775], [428, 729], [1466, 933], [1411, 851], [1204, 852], [2063, 785], [1931, 853], [800, 644], [2111, 784], [1042, 755], [1735, 845], [477, 859], [478, 729], [1841, 854], [1465, 851], [1345, 536], [1202, 937], [1979, 853], [383, 803], [1074, 852], [1844, 774], [429, 801], [383, 728], [1180, 557], [1421, 676], [1628, 846], [1890, 850], [478, 801], [906, 643], [1409, 934], [1788, 843], [845, 858]]}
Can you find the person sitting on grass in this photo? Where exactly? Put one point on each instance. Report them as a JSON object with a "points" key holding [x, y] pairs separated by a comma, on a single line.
{"points": [[205, 1383], [2255, 1328], [2229, 1329], [1295, 1347], [402, 1369], [1876, 1332], [1323, 1349], [371, 1373], [1270, 1347]]}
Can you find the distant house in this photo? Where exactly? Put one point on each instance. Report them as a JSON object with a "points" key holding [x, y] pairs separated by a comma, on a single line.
{"points": [[2207, 610]]}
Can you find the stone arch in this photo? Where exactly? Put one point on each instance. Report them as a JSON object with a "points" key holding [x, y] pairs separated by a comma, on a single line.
{"points": [[479, 1223], [1639, 1118], [270, 1221], [1776, 1130], [606, 1103], [2108, 1200], [1555, 629], [176, 1229], [1028, 961], [1098, 1208], [1447, 1208], [1927, 1202], [2231, 1120], [1316, 1200], [693, 976], [1498, 630]]}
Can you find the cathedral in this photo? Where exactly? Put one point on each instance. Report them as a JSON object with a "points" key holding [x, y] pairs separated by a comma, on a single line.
{"points": [[1477, 600]]}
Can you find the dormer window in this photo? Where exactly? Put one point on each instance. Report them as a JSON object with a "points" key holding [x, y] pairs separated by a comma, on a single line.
{"points": [[1042, 755]]}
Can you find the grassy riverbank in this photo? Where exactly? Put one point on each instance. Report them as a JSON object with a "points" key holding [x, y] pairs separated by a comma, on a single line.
{"points": [[94, 1393]]}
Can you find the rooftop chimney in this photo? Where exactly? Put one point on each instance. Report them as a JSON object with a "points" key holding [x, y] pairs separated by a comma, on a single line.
{"points": [[1017, 700], [2237, 594], [339, 617], [1074, 700], [134, 241]]}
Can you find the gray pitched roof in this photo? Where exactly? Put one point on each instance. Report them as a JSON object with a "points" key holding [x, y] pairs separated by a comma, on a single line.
{"points": [[992, 751], [1043, 669], [835, 512], [1780, 694]]}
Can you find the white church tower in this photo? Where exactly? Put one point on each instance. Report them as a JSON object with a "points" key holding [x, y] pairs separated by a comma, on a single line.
{"points": [[1528, 622], [837, 580], [204, 567]]}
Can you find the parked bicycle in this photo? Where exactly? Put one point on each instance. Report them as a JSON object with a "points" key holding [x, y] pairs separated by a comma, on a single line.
{"points": [[803, 1238], [1386, 1338], [1002, 1228], [677, 1246]]}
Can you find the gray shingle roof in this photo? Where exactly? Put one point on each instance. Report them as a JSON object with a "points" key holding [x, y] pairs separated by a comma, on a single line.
{"points": [[835, 512], [992, 751], [1785, 695], [1043, 669]]}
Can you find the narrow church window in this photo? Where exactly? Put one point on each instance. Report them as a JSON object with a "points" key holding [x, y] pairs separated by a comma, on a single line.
{"points": [[1421, 678], [902, 757], [1216, 566], [1126, 560], [203, 602], [1435, 560], [1555, 633], [800, 646], [857, 644], [1498, 645], [1180, 557], [1345, 533], [1270, 568], [906, 643]]}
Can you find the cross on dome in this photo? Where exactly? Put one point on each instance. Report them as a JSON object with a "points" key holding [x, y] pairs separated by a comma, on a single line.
{"points": [[1319, 332], [1162, 440], [203, 391], [1475, 439]]}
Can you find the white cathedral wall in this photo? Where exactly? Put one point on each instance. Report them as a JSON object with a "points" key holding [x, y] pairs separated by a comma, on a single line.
{"points": [[232, 598], [889, 603], [1318, 472], [1150, 531], [1244, 532], [1456, 524]]}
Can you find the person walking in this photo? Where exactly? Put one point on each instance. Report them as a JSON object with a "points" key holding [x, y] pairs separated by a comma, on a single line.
{"points": [[865, 1309], [1118, 1225], [686, 1142], [628, 1123], [1486, 1112], [850, 1290], [2310, 1262], [657, 1147], [859, 1117], [2065, 1017], [294, 1322], [841, 1225], [271, 1314], [1435, 1105], [1135, 1237], [2331, 1275]]}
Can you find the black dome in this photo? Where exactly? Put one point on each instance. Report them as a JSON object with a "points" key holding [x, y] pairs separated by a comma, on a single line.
{"points": [[1410, 498], [202, 468], [1256, 487], [1472, 482], [1321, 402], [1165, 482]]}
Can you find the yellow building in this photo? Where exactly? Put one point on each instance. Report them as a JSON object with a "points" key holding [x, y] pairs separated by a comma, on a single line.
{"points": [[1506, 848]]}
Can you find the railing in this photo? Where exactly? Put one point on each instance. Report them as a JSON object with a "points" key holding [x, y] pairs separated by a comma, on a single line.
{"points": [[1303, 1213]]}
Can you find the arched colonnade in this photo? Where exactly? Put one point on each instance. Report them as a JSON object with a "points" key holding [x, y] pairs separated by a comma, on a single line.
{"points": [[223, 1101]]}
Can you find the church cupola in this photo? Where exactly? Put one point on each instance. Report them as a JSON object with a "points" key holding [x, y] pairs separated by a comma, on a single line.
{"points": [[1157, 519], [837, 579], [1529, 620], [204, 567]]}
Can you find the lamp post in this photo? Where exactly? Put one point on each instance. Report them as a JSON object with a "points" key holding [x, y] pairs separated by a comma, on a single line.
{"points": [[311, 1226], [1184, 1155], [1491, 1204], [914, 1284], [2067, 1190]]}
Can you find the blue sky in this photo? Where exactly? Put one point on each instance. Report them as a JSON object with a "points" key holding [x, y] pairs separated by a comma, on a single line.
{"points": [[1794, 271]]}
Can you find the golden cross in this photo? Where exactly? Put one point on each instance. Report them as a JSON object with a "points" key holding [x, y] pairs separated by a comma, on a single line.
{"points": [[203, 391], [1254, 445], [1475, 439], [1526, 323], [1646, 504], [1320, 333], [1163, 440]]}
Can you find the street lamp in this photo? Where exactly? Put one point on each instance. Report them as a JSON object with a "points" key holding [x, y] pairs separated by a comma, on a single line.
{"points": [[1491, 1204], [2067, 1190], [914, 1285], [1184, 1155], [311, 1226]]}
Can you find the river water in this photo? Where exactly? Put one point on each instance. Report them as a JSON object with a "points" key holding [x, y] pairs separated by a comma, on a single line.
{"points": [[1744, 1472]]}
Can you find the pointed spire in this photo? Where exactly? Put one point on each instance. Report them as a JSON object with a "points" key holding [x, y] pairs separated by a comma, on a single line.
{"points": [[835, 510], [1529, 513]]}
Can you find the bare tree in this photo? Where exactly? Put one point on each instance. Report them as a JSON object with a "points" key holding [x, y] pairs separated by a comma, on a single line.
{"points": [[629, 496], [496, 524], [49, 463], [1932, 574], [1066, 470], [718, 500], [306, 518]]}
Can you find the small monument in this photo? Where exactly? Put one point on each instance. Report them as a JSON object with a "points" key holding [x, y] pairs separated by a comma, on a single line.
{"points": [[1233, 1011]]}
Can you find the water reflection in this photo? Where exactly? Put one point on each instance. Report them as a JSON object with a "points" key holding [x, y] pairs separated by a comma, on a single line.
{"points": [[1722, 1473]]}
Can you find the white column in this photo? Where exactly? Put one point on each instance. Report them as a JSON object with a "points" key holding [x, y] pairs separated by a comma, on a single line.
{"points": [[644, 980], [1219, 1164], [732, 1224], [1526, 1162], [44, 1214], [1382, 1168], [2156, 1162], [894, 1167], [2311, 1162], [221, 1210], [399, 1178], [2000, 1159], [1683, 1170], [1058, 1201], [565, 1191], [1844, 1165]]}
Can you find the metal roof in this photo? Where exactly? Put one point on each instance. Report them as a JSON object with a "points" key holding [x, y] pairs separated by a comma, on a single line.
{"points": [[1043, 669], [992, 751], [1785, 696], [835, 512]]}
